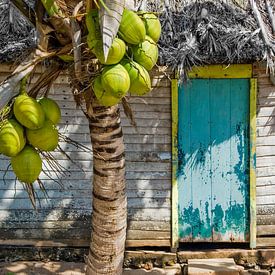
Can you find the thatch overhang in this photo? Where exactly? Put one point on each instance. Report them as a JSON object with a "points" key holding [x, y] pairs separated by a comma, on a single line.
{"points": [[17, 36], [195, 32], [216, 32]]}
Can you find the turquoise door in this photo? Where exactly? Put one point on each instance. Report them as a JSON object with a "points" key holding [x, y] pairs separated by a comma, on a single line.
{"points": [[213, 152]]}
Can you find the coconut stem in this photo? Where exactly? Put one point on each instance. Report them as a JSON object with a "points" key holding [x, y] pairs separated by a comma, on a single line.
{"points": [[52, 8], [92, 21], [23, 85]]}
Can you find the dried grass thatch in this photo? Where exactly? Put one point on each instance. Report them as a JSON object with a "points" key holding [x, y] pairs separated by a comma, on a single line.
{"points": [[213, 32], [194, 32], [16, 34]]}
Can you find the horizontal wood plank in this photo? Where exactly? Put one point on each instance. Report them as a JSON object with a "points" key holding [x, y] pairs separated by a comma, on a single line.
{"points": [[147, 235], [68, 209], [82, 233], [45, 243], [266, 242], [263, 151], [70, 193], [86, 223], [133, 175], [78, 203], [265, 161], [82, 184], [262, 181], [265, 171], [131, 156], [74, 214], [266, 219], [266, 200], [266, 141], [265, 190], [266, 230], [266, 111], [266, 210], [147, 243], [265, 121], [87, 166]]}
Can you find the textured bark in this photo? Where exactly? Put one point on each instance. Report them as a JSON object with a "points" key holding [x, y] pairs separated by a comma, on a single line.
{"points": [[109, 217]]}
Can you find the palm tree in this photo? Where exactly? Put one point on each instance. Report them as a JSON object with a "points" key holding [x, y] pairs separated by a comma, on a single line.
{"points": [[60, 33]]}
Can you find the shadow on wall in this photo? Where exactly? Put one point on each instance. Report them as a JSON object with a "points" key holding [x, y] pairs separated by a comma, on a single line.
{"points": [[265, 107], [65, 216], [148, 167]]}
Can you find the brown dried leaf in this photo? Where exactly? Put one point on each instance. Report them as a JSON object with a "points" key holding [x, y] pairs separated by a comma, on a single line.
{"points": [[9, 88], [128, 112]]}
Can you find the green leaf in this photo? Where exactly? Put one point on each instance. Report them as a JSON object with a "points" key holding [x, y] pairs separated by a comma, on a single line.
{"points": [[51, 7], [110, 14]]}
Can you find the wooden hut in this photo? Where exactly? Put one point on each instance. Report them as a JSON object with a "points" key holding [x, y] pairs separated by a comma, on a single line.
{"points": [[201, 161]]}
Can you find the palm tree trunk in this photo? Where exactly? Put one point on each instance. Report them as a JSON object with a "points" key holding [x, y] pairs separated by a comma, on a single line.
{"points": [[109, 217]]}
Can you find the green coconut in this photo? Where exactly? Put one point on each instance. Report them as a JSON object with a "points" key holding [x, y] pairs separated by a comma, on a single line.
{"points": [[116, 52], [12, 139], [115, 80], [139, 77], [146, 53], [45, 138], [103, 97], [27, 165], [152, 25], [51, 109], [28, 112], [131, 28]]}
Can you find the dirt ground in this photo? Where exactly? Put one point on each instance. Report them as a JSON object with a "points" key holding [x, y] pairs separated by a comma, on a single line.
{"points": [[42, 268]]}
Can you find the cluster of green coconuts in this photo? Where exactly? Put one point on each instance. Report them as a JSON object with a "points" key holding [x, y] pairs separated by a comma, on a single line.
{"points": [[133, 53], [32, 127], [33, 124]]}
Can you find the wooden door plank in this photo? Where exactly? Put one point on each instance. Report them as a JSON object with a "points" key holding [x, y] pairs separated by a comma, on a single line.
{"points": [[200, 212], [252, 174], [220, 152], [185, 161], [238, 212], [175, 214]]}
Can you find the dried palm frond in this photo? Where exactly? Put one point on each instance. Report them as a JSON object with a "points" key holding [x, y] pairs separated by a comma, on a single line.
{"points": [[129, 112], [45, 80]]}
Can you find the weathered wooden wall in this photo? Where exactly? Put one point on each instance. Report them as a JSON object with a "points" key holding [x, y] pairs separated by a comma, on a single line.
{"points": [[265, 152], [64, 218]]}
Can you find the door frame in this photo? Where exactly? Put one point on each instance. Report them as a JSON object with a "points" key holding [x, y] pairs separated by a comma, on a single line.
{"points": [[216, 72]]}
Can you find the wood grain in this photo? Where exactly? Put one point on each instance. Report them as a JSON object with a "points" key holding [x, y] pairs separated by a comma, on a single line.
{"points": [[148, 174], [265, 152]]}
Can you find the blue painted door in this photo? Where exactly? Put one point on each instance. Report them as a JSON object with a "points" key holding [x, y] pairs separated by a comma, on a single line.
{"points": [[213, 148]]}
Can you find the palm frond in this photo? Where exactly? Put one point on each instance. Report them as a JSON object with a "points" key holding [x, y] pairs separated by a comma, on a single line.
{"points": [[110, 16]]}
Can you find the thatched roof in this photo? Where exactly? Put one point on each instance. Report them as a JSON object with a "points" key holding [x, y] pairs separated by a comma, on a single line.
{"points": [[194, 32], [16, 34], [209, 32], [215, 32]]}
